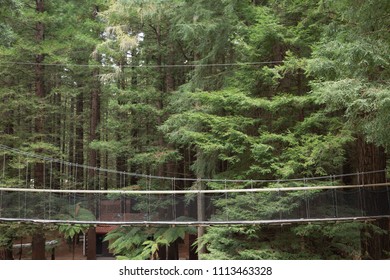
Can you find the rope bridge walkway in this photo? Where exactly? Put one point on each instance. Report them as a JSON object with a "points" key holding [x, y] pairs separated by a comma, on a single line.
{"points": [[39, 189]]}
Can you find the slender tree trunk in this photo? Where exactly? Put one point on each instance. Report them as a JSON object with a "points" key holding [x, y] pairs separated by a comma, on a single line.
{"points": [[93, 162], [71, 132], [121, 160], [93, 156], [161, 87], [39, 91], [79, 142], [8, 117], [38, 238], [201, 217], [94, 123]]}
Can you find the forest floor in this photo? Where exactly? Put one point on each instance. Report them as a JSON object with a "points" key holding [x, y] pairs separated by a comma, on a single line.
{"points": [[62, 251]]}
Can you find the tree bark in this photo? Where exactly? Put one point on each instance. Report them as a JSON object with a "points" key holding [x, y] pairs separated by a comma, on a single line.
{"points": [[94, 123], [91, 250], [79, 142], [201, 217], [38, 238], [38, 246], [6, 252], [39, 91], [371, 158]]}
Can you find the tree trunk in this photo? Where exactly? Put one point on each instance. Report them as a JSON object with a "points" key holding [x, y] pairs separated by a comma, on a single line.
{"points": [[6, 252], [79, 142], [371, 158], [93, 133], [7, 115], [201, 217], [38, 238], [91, 249], [38, 245], [39, 92], [71, 133]]}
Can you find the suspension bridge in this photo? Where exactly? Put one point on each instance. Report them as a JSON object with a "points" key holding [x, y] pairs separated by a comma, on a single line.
{"points": [[40, 189]]}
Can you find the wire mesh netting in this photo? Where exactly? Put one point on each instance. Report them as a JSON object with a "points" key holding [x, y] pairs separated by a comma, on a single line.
{"points": [[106, 207], [34, 187]]}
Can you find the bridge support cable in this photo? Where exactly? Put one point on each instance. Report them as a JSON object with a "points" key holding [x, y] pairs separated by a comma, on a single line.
{"points": [[1, 204]]}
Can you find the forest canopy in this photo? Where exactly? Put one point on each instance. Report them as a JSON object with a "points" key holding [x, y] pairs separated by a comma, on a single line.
{"points": [[223, 89]]}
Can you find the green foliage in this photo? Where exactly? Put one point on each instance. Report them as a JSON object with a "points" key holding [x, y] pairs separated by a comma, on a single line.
{"points": [[143, 243], [316, 241], [75, 213], [70, 231], [350, 65], [221, 89]]}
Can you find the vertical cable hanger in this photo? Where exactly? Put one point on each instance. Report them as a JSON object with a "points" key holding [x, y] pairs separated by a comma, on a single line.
{"points": [[4, 166], [1, 203], [50, 186], [1, 192], [44, 186], [226, 202], [361, 192], [280, 208], [69, 184], [75, 178], [387, 191], [98, 175], [27, 184], [61, 174], [87, 178], [173, 200], [306, 200], [149, 183], [336, 199], [19, 171], [84, 178], [25, 205], [44, 175], [122, 201], [75, 206]]}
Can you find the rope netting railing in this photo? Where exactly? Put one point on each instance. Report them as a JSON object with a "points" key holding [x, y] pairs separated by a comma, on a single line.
{"points": [[35, 188], [179, 207]]}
